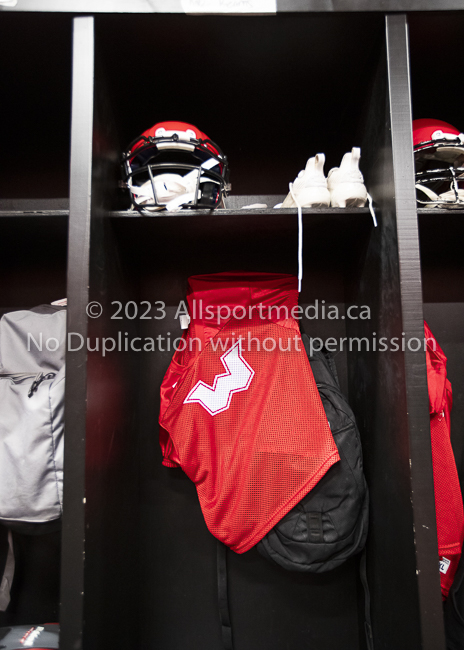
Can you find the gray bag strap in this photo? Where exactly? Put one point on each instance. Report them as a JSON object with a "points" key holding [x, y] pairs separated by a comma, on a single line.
{"points": [[7, 578], [17, 376]]}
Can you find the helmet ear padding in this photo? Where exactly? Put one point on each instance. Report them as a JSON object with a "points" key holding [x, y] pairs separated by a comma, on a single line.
{"points": [[209, 193]]}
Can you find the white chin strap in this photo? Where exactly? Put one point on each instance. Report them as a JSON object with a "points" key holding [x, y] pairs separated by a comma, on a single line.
{"points": [[172, 190], [454, 196]]}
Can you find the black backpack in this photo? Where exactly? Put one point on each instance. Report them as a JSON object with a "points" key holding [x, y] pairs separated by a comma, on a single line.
{"points": [[330, 523]]}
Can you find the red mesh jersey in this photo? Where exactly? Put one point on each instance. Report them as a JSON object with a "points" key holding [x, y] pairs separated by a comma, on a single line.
{"points": [[448, 498], [240, 410]]}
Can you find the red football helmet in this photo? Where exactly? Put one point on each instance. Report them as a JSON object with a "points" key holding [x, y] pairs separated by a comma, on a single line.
{"points": [[174, 165], [439, 156], [437, 140]]}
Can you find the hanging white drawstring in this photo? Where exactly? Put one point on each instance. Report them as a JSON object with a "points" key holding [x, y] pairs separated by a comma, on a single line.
{"points": [[300, 238], [371, 209]]}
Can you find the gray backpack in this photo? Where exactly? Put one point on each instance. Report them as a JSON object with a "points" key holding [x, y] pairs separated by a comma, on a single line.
{"points": [[32, 373]]}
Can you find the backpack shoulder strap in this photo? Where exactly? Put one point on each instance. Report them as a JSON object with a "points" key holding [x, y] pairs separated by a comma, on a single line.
{"points": [[367, 601], [7, 579], [226, 628]]}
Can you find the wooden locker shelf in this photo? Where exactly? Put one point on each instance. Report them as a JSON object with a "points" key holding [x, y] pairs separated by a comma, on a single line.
{"points": [[332, 214]]}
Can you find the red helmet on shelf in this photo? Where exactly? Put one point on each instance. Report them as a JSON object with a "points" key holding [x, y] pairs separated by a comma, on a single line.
{"points": [[174, 165], [439, 161], [437, 140]]}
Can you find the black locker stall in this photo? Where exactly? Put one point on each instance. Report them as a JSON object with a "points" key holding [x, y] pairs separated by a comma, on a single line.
{"points": [[137, 561], [34, 207], [439, 238]]}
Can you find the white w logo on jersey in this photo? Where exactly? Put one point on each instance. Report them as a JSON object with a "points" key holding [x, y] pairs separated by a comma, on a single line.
{"points": [[238, 376]]}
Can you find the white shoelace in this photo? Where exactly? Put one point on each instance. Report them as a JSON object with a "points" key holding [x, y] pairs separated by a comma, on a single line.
{"points": [[371, 209], [300, 238], [300, 232]]}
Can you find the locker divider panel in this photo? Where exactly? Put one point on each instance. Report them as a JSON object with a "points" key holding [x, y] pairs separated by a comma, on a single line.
{"points": [[74, 495], [378, 397], [114, 600], [412, 316]]}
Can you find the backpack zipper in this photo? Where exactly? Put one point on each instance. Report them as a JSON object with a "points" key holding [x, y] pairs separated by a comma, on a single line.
{"points": [[38, 378]]}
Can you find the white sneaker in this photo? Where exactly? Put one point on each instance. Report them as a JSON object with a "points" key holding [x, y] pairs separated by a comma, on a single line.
{"points": [[346, 183], [310, 186]]}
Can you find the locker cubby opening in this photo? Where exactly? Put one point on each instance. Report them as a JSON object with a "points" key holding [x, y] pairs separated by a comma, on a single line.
{"points": [[177, 593], [165, 251], [434, 38], [442, 271], [435, 94], [270, 90], [33, 263], [171, 575], [35, 94]]}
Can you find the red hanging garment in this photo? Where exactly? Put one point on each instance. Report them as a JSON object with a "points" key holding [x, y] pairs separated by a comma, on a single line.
{"points": [[240, 410], [448, 497]]}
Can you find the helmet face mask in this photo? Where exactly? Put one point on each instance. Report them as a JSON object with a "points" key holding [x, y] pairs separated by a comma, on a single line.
{"points": [[173, 165], [445, 150], [439, 163], [441, 187]]}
